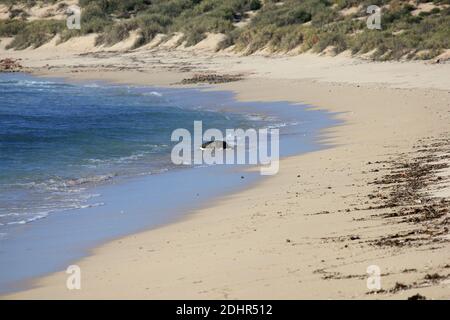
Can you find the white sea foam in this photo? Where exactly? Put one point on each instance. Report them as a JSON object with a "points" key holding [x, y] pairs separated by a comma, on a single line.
{"points": [[153, 93], [255, 117], [11, 214], [88, 180], [41, 215], [85, 206], [32, 83], [31, 219], [282, 125], [92, 85], [125, 159]]}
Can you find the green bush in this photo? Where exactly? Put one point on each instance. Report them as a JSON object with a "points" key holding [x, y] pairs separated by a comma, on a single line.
{"points": [[255, 5], [278, 25], [337, 40], [36, 33], [9, 28], [116, 32]]}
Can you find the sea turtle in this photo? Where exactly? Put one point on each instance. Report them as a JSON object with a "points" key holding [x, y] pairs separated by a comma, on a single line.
{"points": [[215, 144]]}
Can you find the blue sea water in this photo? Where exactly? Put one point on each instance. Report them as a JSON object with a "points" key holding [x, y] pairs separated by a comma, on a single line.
{"points": [[84, 163], [58, 139]]}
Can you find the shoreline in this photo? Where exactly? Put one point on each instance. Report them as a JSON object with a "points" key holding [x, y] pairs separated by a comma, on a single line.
{"points": [[109, 194], [291, 237]]}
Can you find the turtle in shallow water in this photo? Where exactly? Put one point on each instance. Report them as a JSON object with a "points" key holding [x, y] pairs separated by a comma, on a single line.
{"points": [[215, 144]]}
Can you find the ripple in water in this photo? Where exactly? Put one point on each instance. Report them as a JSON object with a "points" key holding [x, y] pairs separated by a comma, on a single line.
{"points": [[57, 140]]}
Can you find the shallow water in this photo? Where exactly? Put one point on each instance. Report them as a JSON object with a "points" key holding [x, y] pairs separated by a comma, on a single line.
{"points": [[59, 139], [94, 161]]}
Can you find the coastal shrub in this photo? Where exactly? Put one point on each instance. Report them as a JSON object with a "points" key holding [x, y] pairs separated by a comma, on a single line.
{"points": [[252, 40], [336, 40], [195, 31], [255, 5], [212, 16], [147, 34], [116, 32], [194, 18], [282, 26], [275, 25], [18, 13], [431, 34], [367, 41], [10, 28], [117, 8], [286, 38], [280, 16], [28, 3], [149, 25], [94, 19], [324, 17], [343, 4], [36, 33]]}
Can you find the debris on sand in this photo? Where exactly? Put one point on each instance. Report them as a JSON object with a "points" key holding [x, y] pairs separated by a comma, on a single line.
{"points": [[212, 78], [403, 192], [399, 287], [406, 195], [10, 65], [434, 277], [417, 297]]}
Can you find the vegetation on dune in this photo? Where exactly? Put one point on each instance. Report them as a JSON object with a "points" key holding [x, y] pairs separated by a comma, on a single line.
{"points": [[32, 34], [278, 26], [28, 3], [194, 18], [10, 28], [319, 24]]}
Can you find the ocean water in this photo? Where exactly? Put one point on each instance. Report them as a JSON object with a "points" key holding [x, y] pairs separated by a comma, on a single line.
{"points": [[57, 140], [85, 163]]}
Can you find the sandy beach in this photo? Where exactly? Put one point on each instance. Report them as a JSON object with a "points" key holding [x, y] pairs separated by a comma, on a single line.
{"points": [[378, 196]]}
